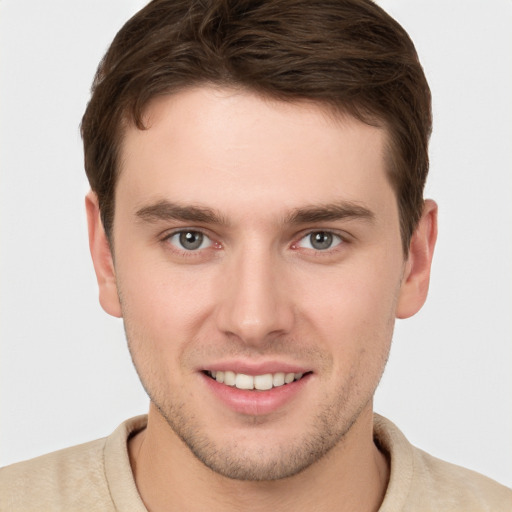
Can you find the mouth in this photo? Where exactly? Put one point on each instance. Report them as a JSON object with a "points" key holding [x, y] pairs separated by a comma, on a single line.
{"points": [[263, 382]]}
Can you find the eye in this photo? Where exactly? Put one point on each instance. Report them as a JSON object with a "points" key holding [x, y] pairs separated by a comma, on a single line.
{"points": [[190, 240], [320, 240]]}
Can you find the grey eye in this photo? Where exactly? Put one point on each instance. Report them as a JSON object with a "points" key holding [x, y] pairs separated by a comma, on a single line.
{"points": [[190, 240], [320, 240]]}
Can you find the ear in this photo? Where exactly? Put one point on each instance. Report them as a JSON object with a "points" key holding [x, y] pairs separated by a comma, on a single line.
{"points": [[102, 258], [414, 289]]}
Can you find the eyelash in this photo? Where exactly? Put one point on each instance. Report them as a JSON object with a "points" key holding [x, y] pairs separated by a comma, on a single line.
{"points": [[342, 240], [189, 252], [335, 238]]}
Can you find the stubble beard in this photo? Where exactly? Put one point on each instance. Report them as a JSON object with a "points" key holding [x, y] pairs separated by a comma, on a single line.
{"points": [[232, 459]]}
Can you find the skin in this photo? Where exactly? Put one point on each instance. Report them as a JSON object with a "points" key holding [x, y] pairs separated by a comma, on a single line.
{"points": [[258, 292]]}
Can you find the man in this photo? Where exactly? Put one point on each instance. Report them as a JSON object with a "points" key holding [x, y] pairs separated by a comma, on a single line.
{"points": [[256, 218]]}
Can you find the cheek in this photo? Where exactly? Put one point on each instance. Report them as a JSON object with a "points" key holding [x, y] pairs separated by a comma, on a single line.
{"points": [[162, 296], [353, 310], [161, 313], [351, 296]]}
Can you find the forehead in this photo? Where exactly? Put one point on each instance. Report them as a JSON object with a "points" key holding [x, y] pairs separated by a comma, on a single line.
{"points": [[232, 148]]}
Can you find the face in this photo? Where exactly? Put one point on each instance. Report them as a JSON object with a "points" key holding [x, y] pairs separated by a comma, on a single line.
{"points": [[256, 245]]}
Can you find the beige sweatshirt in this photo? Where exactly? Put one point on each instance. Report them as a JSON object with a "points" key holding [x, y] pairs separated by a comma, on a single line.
{"points": [[96, 476]]}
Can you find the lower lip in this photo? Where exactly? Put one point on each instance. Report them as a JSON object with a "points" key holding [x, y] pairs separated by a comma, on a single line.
{"points": [[255, 403]]}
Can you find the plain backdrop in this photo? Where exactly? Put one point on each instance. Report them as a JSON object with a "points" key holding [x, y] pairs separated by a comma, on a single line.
{"points": [[65, 374]]}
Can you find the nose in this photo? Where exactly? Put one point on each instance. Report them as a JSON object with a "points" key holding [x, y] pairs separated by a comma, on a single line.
{"points": [[256, 304]]}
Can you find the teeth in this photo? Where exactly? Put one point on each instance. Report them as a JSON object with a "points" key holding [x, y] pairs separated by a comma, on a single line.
{"points": [[244, 381], [263, 382], [289, 377], [259, 382], [229, 378], [278, 379]]}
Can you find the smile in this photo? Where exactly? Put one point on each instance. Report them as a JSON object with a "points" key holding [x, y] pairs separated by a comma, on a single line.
{"points": [[257, 382]]}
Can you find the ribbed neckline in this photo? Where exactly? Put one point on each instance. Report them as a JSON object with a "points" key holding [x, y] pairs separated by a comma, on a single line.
{"points": [[118, 472]]}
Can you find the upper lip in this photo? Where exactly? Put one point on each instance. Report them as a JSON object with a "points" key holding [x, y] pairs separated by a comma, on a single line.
{"points": [[256, 368]]}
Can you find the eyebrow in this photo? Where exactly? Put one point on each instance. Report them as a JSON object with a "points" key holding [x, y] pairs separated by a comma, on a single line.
{"points": [[165, 211], [330, 212]]}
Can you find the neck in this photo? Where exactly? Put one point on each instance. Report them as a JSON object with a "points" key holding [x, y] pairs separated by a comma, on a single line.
{"points": [[352, 476]]}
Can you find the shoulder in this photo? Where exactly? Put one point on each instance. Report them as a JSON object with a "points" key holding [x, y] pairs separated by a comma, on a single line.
{"points": [[91, 476], [54, 481], [420, 482], [458, 486]]}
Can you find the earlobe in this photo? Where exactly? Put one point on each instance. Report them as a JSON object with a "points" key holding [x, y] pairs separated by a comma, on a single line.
{"points": [[102, 258], [415, 283]]}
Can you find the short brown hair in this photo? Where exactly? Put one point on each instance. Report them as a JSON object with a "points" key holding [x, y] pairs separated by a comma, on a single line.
{"points": [[347, 54]]}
